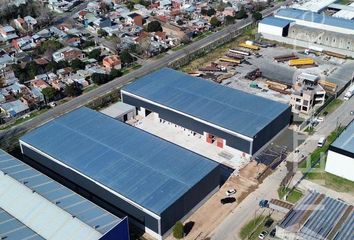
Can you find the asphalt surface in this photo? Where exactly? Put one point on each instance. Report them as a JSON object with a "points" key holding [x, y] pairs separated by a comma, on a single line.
{"points": [[247, 210], [121, 81]]}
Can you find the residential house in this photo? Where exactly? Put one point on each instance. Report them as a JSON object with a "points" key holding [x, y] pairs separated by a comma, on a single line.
{"points": [[5, 58], [64, 72], [101, 23], [39, 84], [7, 76], [7, 32], [68, 54], [73, 41], [30, 22], [112, 62], [14, 109], [20, 23], [78, 79], [24, 43], [229, 11]]}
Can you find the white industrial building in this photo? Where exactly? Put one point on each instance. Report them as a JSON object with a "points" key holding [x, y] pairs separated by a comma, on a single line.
{"points": [[347, 12], [313, 5], [274, 26], [340, 158], [316, 20]]}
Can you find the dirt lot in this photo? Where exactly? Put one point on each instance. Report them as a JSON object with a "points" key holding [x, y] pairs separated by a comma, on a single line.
{"points": [[212, 213]]}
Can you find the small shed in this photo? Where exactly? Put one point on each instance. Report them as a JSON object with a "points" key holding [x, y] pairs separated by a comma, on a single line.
{"points": [[120, 111]]}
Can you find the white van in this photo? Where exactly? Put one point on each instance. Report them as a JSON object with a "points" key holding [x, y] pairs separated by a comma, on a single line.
{"points": [[321, 142]]}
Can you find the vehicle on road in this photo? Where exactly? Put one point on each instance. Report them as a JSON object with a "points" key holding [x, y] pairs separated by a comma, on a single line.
{"points": [[263, 235], [231, 192], [228, 200], [272, 233], [321, 142], [52, 104], [264, 203]]}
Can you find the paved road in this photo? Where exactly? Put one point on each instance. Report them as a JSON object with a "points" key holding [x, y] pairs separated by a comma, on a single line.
{"points": [[119, 82], [243, 213]]}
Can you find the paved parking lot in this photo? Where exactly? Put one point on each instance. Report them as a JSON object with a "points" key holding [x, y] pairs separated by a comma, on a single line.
{"points": [[185, 138]]}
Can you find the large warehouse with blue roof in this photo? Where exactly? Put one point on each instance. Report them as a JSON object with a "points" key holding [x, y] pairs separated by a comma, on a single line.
{"points": [[231, 117], [123, 169]]}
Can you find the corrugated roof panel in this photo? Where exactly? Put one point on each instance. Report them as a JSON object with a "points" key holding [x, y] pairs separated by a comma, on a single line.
{"points": [[278, 22], [13, 229], [291, 13], [322, 220], [346, 140], [146, 169], [25, 183], [229, 108], [347, 230]]}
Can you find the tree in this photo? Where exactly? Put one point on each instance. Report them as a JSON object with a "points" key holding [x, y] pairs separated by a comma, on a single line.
{"points": [[115, 73], [130, 5], [257, 16], [154, 26], [77, 64], [126, 57], [214, 21], [221, 6], [72, 90], [178, 230], [95, 54], [211, 12], [229, 20], [180, 22], [49, 93], [87, 44], [241, 14], [100, 78], [102, 33]]}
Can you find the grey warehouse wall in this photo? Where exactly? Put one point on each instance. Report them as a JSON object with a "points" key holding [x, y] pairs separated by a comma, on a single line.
{"points": [[271, 130], [189, 200]]}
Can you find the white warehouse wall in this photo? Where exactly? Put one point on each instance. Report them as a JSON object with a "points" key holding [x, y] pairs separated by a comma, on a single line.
{"points": [[270, 29], [340, 165]]}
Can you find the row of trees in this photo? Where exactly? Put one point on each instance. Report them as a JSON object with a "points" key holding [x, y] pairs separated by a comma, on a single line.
{"points": [[75, 89]]}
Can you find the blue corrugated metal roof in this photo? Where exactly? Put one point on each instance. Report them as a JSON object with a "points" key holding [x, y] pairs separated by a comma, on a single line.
{"points": [[146, 169], [309, 16], [346, 140], [279, 22], [229, 108], [323, 219], [347, 229], [90, 214]]}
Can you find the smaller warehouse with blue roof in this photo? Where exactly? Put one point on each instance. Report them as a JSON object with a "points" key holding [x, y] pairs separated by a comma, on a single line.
{"points": [[274, 26], [340, 158], [223, 116], [124, 169]]}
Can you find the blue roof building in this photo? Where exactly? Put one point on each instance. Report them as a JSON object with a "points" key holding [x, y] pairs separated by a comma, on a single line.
{"points": [[317, 216], [245, 121], [278, 22], [317, 20], [34, 206], [152, 181]]}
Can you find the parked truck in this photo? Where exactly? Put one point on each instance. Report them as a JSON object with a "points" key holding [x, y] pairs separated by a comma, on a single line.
{"points": [[349, 93], [301, 62]]}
